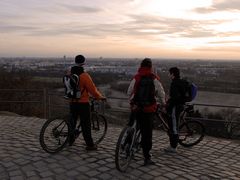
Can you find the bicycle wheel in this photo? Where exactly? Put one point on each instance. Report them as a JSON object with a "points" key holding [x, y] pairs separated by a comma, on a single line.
{"points": [[98, 127], [123, 152], [54, 135], [191, 133]]}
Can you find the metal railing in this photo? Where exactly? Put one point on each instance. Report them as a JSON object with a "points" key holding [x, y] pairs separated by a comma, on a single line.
{"points": [[17, 96], [225, 126], [195, 104], [50, 101], [47, 103]]}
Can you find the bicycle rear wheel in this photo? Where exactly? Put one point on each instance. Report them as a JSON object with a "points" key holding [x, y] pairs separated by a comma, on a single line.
{"points": [[191, 133], [54, 135], [123, 152], [98, 127]]}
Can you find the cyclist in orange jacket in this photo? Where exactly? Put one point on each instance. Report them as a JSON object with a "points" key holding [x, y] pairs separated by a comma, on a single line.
{"points": [[81, 107]]}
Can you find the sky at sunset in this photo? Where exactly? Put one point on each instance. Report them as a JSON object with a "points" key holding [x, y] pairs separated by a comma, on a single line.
{"points": [[199, 29]]}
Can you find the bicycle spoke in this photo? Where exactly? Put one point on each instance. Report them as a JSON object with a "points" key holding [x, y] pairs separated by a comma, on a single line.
{"points": [[191, 133], [125, 149], [98, 127], [54, 135]]}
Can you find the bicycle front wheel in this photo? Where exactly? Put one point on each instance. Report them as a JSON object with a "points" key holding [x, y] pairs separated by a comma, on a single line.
{"points": [[191, 133], [54, 135], [123, 152], [98, 127]]}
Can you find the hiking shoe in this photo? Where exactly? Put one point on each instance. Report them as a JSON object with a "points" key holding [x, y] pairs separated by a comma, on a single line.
{"points": [[148, 162], [170, 149], [91, 148]]}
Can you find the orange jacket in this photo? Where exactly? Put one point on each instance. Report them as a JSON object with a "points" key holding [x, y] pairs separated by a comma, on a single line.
{"points": [[87, 87]]}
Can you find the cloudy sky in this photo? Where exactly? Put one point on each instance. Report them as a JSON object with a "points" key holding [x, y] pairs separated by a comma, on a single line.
{"points": [[121, 28]]}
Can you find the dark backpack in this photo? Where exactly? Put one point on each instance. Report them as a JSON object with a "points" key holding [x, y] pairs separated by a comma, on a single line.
{"points": [[190, 91], [145, 92]]}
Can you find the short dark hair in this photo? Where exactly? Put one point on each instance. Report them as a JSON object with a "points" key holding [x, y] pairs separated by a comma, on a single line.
{"points": [[80, 59], [175, 71], [146, 62]]}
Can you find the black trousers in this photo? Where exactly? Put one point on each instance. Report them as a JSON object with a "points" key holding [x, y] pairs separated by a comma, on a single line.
{"points": [[173, 123], [145, 122], [82, 110]]}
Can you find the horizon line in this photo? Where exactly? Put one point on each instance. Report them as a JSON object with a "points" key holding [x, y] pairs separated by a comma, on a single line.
{"points": [[134, 58]]}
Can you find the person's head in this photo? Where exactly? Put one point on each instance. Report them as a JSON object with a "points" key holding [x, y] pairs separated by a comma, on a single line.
{"points": [[174, 72], [146, 62], [80, 60]]}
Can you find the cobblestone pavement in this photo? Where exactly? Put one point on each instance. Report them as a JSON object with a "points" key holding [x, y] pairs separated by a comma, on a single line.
{"points": [[21, 157]]}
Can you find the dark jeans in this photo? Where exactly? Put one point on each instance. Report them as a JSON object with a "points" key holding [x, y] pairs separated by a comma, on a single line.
{"points": [[145, 121], [82, 110], [173, 123]]}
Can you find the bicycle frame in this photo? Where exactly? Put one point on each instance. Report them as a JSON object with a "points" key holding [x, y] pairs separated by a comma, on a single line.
{"points": [[160, 114], [55, 133], [93, 111]]}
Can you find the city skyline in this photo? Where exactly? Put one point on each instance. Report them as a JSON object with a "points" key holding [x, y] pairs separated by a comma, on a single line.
{"points": [[206, 29]]}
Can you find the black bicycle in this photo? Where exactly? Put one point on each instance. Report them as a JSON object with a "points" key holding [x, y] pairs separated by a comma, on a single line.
{"points": [[191, 132], [129, 142], [54, 134]]}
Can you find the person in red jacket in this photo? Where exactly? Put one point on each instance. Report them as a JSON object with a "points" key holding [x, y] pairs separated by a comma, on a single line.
{"points": [[81, 107], [143, 99]]}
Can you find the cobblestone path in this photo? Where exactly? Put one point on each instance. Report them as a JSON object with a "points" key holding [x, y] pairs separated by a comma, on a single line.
{"points": [[21, 157]]}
